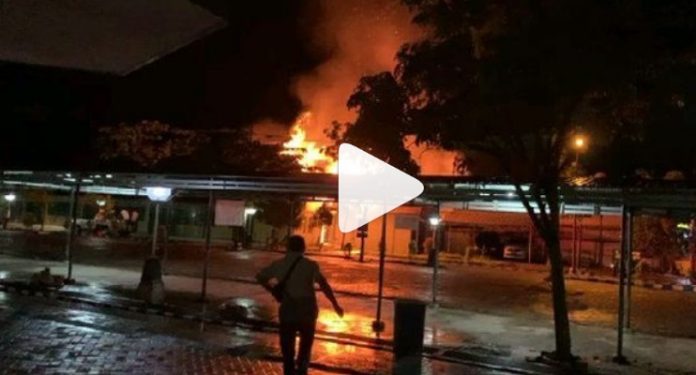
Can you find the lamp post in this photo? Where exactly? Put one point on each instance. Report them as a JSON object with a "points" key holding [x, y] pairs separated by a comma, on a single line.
{"points": [[378, 324], [158, 195], [249, 213], [9, 198], [435, 224], [151, 287], [580, 145]]}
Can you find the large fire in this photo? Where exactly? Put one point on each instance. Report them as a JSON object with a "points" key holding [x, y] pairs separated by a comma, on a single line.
{"points": [[312, 158]]}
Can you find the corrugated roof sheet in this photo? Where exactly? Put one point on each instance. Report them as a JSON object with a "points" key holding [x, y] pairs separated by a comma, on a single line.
{"points": [[106, 36]]}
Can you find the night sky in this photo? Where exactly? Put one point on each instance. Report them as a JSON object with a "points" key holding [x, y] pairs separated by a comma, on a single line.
{"points": [[235, 77]]}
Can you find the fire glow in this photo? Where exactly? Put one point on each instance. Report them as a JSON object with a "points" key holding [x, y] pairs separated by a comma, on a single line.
{"points": [[312, 158]]}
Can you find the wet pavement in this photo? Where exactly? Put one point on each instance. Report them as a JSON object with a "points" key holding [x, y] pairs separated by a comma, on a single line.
{"points": [[518, 289], [46, 336], [53, 339], [504, 314]]}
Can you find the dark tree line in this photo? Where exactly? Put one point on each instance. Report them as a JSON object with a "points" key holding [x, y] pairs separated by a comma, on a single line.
{"points": [[512, 82]]}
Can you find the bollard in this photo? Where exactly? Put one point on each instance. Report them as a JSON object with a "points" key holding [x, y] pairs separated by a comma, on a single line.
{"points": [[409, 325]]}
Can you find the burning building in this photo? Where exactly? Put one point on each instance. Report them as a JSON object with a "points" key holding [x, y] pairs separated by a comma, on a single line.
{"points": [[311, 157]]}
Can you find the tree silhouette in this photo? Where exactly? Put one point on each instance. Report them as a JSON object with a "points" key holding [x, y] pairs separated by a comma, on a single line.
{"points": [[380, 126], [147, 143], [515, 81]]}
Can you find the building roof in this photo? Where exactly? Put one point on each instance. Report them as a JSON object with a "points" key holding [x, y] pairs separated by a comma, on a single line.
{"points": [[105, 36]]}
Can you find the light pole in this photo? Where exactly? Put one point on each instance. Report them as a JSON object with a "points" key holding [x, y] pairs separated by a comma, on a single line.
{"points": [[158, 195], [208, 228], [151, 287], [580, 145], [435, 224], [249, 213], [378, 324], [9, 198]]}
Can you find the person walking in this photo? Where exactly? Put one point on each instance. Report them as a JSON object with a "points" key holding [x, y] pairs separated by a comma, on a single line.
{"points": [[291, 281]]}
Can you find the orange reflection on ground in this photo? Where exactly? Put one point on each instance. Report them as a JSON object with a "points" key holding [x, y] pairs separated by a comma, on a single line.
{"points": [[329, 321], [351, 323], [332, 323]]}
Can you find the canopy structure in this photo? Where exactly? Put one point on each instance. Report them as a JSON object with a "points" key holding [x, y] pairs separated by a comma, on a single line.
{"points": [[464, 192], [468, 193], [104, 36]]}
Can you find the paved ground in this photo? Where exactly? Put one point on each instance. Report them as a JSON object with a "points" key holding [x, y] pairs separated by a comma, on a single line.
{"points": [[508, 292], [501, 291], [483, 336], [43, 336]]}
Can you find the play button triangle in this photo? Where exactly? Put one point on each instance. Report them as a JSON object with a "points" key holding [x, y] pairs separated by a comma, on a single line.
{"points": [[369, 188]]}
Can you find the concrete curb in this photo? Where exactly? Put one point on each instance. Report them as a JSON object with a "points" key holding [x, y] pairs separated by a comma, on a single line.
{"points": [[432, 353]]}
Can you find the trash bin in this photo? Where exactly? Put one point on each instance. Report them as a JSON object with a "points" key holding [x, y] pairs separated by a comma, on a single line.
{"points": [[409, 324]]}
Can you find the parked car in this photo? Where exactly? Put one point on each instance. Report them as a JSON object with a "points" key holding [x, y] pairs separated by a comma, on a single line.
{"points": [[516, 252]]}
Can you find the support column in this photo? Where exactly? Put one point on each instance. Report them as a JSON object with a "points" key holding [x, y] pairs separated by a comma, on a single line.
{"points": [[629, 266], [436, 257], [574, 249], [208, 230], [74, 195], [529, 244], [601, 240], [619, 358], [579, 253], [155, 231], [378, 324]]}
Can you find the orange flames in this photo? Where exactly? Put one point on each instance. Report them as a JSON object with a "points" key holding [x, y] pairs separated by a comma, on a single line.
{"points": [[312, 158]]}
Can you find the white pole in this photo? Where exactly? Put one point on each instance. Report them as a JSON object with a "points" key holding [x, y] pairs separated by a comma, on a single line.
{"points": [[208, 229], [436, 259], [155, 230]]}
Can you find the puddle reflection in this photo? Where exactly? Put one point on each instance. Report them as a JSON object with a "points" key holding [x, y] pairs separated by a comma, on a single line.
{"points": [[351, 323], [330, 322]]}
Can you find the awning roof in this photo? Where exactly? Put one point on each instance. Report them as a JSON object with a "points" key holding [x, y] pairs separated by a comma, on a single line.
{"points": [[484, 196], [106, 36]]}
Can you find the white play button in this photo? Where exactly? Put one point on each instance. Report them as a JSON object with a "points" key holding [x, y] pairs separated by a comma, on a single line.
{"points": [[369, 188]]}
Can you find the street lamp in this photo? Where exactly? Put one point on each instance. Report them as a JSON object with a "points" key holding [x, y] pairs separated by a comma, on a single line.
{"points": [[151, 287], [579, 141], [580, 145], [435, 222], [9, 198], [249, 213], [158, 195]]}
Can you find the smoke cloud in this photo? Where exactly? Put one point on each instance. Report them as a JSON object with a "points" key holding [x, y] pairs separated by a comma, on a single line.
{"points": [[362, 37]]}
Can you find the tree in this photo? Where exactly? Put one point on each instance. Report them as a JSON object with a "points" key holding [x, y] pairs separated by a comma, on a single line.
{"points": [[147, 143], [277, 212], [657, 237], [245, 155], [155, 145], [380, 125], [516, 80]]}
